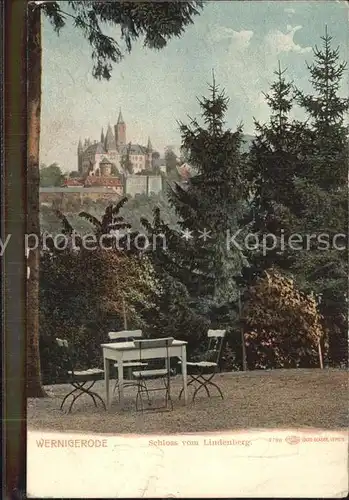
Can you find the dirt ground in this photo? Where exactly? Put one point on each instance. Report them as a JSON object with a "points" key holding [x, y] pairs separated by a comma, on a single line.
{"points": [[257, 399]]}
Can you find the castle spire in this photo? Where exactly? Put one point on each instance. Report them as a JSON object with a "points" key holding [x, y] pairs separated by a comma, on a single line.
{"points": [[80, 145], [149, 146], [120, 131], [120, 119], [102, 136], [110, 144]]}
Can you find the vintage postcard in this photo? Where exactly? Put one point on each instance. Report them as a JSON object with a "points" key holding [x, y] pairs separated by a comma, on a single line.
{"points": [[186, 249]]}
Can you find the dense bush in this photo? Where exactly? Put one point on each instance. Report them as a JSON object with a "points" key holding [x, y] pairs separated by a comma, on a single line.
{"points": [[282, 325], [83, 295]]}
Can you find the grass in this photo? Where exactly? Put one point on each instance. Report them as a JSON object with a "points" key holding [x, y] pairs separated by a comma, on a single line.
{"points": [[258, 399]]}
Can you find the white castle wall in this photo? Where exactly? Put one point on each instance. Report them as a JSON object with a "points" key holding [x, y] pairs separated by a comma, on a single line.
{"points": [[136, 184], [143, 184], [154, 184]]}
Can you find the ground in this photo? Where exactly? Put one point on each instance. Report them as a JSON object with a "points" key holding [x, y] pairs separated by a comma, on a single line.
{"points": [[258, 399]]}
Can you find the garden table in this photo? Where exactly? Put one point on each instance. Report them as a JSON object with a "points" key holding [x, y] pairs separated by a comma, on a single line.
{"points": [[127, 351]]}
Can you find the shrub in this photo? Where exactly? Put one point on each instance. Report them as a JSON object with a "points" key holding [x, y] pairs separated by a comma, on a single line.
{"points": [[282, 325]]}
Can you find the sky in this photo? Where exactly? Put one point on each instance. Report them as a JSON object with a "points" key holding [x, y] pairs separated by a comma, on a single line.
{"points": [[242, 41]]}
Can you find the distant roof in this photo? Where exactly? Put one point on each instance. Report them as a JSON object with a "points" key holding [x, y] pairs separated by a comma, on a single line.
{"points": [[99, 189], [135, 149], [186, 170], [77, 189], [74, 182], [97, 148], [68, 189], [107, 181], [105, 161]]}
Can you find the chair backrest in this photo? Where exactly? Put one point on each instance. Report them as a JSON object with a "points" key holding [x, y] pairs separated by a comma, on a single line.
{"points": [[125, 335], [152, 343], [68, 356], [215, 345]]}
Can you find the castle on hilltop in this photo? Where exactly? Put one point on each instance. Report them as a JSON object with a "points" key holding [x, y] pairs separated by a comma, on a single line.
{"points": [[112, 155]]}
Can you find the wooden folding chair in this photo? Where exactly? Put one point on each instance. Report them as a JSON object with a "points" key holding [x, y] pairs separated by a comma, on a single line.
{"points": [[127, 336], [203, 371], [144, 376], [79, 378]]}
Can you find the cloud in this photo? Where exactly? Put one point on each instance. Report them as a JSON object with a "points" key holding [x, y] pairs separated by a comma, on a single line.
{"points": [[278, 42], [344, 3], [239, 39], [289, 10], [246, 63]]}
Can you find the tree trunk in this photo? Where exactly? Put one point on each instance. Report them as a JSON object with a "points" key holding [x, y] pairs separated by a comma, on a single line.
{"points": [[244, 359], [124, 313], [34, 386], [320, 355]]}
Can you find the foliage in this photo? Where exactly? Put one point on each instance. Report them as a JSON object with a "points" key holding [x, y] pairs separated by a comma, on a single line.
{"points": [[272, 167], [172, 311], [171, 160], [51, 176], [299, 177], [282, 325], [197, 277], [137, 207], [125, 162], [322, 191], [213, 201], [154, 22], [74, 174], [292, 181], [86, 289], [327, 135], [114, 171]]}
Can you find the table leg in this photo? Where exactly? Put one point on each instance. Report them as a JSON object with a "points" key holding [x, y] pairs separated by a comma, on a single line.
{"points": [[121, 382], [106, 380], [184, 373]]}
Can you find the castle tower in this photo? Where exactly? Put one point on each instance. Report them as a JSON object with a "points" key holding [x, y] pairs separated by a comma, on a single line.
{"points": [[80, 151], [102, 137], [110, 144], [120, 131], [149, 155]]}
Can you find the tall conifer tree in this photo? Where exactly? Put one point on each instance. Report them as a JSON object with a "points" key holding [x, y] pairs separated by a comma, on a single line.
{"points": [[210, 206], [272, 167], [322, 193]]}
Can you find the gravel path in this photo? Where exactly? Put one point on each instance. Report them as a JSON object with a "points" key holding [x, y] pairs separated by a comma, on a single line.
{"points": [[258, 399]]}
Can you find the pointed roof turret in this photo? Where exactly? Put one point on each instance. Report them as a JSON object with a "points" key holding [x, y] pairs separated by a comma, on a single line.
{"points": [[120, 119], [105, 161], [149, 146], [80, 148], [110, 144], [102, 136]]}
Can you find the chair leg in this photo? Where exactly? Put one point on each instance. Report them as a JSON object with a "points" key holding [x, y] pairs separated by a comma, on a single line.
{"points": [[67, 396], [168, 393], [82, 390], [143, 388], [74, 399], [139, 398], [204, 382], [93, 394], [115, 386], [191, 381], [218, 389]]}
